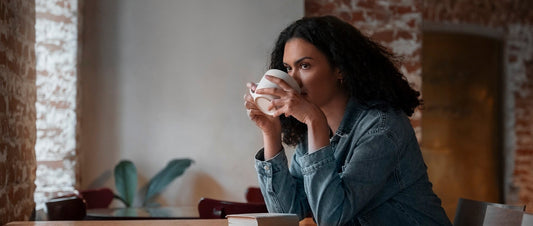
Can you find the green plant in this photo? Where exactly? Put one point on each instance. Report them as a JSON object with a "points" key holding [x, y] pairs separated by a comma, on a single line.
{"points": [[126, 180]]}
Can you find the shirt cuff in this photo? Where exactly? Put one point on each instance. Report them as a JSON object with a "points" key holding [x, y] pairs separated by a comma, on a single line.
{"points": [[271, 166], [316, 160]]}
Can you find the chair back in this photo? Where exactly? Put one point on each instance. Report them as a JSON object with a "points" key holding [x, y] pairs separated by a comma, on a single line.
{"points": [[498, 216], [218, 209], [66, 208], [253, 194], [472, 213], [527, 219], [97, 198]]}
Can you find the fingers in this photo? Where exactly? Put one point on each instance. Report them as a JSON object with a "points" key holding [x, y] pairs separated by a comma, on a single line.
{"points": [[276, 92], [279, 107], [248, 97], [251, 109], [280, 82], [283, 89]]}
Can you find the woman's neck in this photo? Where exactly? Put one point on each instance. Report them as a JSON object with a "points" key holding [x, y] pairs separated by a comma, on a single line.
{"points": [[334, 111]]}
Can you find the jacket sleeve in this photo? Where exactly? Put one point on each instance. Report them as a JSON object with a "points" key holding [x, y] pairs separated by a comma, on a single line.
{"points": [[336, 197], [282, 189]]}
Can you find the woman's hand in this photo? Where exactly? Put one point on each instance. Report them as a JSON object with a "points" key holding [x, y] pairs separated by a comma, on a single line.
{"points": [[269, 125], [290, 102]]}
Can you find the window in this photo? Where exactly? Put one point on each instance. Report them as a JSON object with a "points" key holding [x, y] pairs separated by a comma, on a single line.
{"points": [[56, 47]]}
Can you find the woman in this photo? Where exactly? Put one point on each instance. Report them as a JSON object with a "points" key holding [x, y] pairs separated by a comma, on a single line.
{"points": [[357, 160]]}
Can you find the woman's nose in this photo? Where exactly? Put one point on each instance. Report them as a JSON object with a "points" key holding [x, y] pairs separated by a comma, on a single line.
{"points": [[296, 77]]}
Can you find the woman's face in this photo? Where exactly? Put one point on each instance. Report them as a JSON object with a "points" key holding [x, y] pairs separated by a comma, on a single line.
{"points": [[311, 69]]}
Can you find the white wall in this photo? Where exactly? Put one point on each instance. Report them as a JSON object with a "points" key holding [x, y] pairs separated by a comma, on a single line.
{"points": [[165, 79]]}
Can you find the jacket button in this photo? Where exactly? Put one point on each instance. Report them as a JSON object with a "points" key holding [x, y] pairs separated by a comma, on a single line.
{"points": [[266, 167]]}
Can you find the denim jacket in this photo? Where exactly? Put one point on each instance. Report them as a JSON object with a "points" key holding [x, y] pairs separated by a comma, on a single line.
{"points": [[371, 173]]}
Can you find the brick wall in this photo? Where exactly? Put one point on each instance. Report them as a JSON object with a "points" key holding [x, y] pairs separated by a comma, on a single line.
{"points": [[523, 170], [17, 109], [397, 24]]}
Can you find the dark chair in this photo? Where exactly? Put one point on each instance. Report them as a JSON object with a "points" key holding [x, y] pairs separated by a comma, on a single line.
{"points": [[498, 216], [254, 195], [97, 198], [472, 213], [218, 209], [66, 208]]}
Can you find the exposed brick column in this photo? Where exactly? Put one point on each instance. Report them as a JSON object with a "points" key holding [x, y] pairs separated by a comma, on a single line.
{"points": [[394, 24], [17, 109], [523, 168]]}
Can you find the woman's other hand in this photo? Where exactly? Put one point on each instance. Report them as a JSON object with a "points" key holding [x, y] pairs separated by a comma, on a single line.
{"points": [[269, 125]]}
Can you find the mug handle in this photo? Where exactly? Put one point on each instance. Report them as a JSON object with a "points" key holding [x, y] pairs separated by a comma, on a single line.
{"points": [[253, 93]]}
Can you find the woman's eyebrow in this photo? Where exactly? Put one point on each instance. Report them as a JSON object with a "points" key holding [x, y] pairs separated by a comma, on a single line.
{"points": [[299, 60]]}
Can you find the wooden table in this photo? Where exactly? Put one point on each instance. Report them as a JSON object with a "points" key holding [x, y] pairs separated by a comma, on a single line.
{"points": [[210, 222], [166, 213], [185, 222]]}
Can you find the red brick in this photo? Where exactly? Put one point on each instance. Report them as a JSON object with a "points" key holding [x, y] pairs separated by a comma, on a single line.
{"points": [[311, 8], [3, 175], [328, 7], [3, 105], [384, 36], [518, 172], [399, 10], [524, 152], [412, 23], [523, 161], [382, 16], [358, 16], [3, 199], [368, 4], [345, 16]]}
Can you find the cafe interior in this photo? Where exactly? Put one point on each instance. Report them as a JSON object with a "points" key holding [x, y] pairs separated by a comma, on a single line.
{"points": [[93, 90]]}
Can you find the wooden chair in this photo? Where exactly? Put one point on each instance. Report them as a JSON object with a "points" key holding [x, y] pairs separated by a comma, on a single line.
{"points": [[472, 213], [498, 216], [218, 209], [527, 219], [254, 195], [66, 208]]}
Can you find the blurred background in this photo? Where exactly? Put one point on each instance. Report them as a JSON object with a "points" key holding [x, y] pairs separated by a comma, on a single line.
{"points": [[86, 84]]}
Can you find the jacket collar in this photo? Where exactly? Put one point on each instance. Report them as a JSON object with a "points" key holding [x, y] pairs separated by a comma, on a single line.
{"points": [[353, 109]]}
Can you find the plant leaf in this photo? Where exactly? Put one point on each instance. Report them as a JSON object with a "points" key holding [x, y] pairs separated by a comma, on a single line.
{"points": [[174, 169], [126, 181]]}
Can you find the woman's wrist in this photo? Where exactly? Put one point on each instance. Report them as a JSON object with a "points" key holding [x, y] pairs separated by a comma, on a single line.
{"points": [[317, 131], [272, 145]]}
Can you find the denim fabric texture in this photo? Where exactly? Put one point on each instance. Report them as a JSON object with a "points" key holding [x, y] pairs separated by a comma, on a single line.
{"points": [[371, 173]]}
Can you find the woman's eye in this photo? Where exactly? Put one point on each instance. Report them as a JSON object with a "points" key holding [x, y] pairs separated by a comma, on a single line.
{"points": [[288, 69], [304, 66]]}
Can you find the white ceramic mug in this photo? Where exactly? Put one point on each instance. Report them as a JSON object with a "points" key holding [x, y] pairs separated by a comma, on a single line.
{"points": [[263, 100]]}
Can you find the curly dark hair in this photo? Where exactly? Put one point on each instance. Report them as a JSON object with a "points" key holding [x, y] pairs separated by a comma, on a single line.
{"points": [[368, 69]]}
